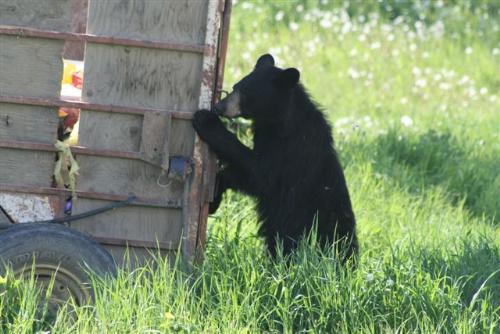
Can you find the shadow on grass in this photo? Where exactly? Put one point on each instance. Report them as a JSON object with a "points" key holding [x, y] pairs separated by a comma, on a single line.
{"points": [[439, 159], [474, 263]]}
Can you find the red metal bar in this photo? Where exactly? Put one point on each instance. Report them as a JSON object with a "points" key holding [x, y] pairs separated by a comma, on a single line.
{"points": [[135, 243], [23, 145], [69, 36], [139, 201], [27, 145], [34, 101], [107, 153], [210, 168], [224, 39]]}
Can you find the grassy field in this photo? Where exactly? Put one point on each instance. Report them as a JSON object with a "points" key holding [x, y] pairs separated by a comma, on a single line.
{"points": [[412, 93]]}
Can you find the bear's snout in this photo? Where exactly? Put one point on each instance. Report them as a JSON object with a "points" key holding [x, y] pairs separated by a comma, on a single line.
{"points": [[229, 106]]}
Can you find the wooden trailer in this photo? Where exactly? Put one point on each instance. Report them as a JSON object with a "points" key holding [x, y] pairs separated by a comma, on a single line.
{"points": [[144, 179]]}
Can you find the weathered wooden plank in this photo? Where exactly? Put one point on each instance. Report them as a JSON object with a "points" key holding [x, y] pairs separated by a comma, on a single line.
{"points": [[24, 167], [30, 66], [181, 21], [132, 222], [140, 77], [28, 123], [112, 131], [75, 49], [42, 14], [155, 138], [123, 176], [181, 138]]}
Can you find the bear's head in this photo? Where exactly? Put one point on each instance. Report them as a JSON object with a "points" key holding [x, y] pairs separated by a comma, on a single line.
{"points": [[263, 95]]}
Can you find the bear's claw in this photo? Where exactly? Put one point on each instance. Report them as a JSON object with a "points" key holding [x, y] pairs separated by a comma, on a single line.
{"points": [[206, 122]]}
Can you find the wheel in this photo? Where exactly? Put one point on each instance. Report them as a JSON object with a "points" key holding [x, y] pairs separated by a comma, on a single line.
{"points": [[56, 251]]}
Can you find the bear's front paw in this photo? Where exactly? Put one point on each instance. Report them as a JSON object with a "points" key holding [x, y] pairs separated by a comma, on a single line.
{"points": [[205, 122]]}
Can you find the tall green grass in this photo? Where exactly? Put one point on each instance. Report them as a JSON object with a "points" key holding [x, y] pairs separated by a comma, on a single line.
{"points": [[412, 92]]}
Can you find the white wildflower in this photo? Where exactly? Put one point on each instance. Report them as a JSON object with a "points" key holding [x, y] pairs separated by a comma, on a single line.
{"points": [[406, 121], [293, 26], [279, 15], [483, 91], [398, 20], [375, 45], [386, 28], [468, 50], [421, 83], [342, 121], [463, 80], [444, 86], [403, 100], [389, 283], [346, 27], [495, 51], [370, 277], [471, 91], [325, 23], [413, 47], [353, 73], [299, 8], [247, 5]]}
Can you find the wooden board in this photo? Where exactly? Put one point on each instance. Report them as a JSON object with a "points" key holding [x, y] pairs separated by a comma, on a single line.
{"points": [[26, 167], [148, 134], [140, 77], [180, 21], [110, 131], [124, 176], [41, 14], [181, 138], [149, 224], [143, 78], [28, 123], [30, 66]]}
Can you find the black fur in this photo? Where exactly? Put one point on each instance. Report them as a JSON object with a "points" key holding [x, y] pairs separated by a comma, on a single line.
{"points": [[293, 170]]}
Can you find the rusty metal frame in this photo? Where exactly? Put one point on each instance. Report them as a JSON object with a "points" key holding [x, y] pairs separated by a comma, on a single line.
{"points": [[34, 146], [209, 178], [135, 243], [34, 101], [139, 201], [194, 200], [69, 36]]}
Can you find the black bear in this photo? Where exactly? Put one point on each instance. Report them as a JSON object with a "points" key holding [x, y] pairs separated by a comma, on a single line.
{"points": [[293, 170]]}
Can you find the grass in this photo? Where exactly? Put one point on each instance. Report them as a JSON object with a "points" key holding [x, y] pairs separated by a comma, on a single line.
{"points": [[415, 114]]}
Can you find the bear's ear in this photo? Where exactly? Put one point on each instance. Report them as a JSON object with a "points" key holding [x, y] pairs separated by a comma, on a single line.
{"points": [[265, 60], [288, 78]]}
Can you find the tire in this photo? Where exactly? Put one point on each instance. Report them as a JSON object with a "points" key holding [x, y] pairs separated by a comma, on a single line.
{"points": [[56, 251]]}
